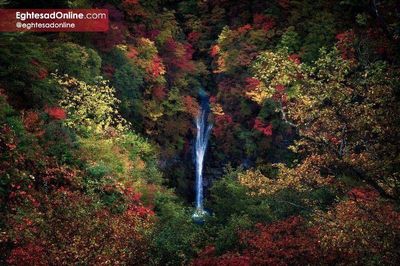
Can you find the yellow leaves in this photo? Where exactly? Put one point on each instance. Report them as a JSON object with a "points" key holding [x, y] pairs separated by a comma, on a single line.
{"points": [[303, 177], [221, 65], [217, 109], [90, 106], [154, 110], [260, 93], [255, 181], [273, 69]]}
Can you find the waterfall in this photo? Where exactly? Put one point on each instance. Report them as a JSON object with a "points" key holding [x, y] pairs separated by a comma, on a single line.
{"points": [[202, 136]]}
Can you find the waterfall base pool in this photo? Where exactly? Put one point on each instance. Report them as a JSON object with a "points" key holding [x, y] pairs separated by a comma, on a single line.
{"points": [[199, 216]]}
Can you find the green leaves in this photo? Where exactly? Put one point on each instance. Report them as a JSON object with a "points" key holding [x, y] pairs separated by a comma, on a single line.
{"points": [[77, 61]]}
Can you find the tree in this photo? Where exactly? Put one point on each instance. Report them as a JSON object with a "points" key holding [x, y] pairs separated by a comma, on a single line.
{"points": [[90, 107], [361, 229], [344, 117]]}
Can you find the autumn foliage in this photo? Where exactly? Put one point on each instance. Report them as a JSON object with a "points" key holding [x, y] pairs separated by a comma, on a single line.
{"points": [[283, 243], [302, 165]]}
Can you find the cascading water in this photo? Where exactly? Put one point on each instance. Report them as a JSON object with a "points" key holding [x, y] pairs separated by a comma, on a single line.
{"points": [[202, 136]]}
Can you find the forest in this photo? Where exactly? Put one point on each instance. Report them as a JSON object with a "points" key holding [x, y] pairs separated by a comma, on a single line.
{"points": [[302, 167]]}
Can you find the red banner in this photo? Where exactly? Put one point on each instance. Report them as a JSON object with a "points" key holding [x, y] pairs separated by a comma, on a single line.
{"points": [[54, 20]]}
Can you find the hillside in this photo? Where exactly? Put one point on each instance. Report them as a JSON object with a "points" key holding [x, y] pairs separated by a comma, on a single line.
{"points": [[98, 133]]}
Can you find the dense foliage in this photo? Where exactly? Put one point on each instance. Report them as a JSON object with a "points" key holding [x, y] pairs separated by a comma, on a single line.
{"points": [[96, 135]]}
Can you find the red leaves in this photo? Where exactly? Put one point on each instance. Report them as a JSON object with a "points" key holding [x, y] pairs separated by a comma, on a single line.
{"points": [[29, 254], [159, 93], [178, 57], [230, 87], [244, 28], [225, 260], [366, 194], [171, 45], [295, 58], [193, 37], [108, 70], [361, 228], [214, 50], [191, 105], [207, 258], [74, 230], [56, 113], [259, 19], [252, 83], [33, 123], [105, 41], [284, 3], [133, 9], [136, 197], [42, 73], [263, 22], [345, 36], [140, 211], [280, 88], [130, 2], [280, 95], [334, 140], [213, 99], [156, 68], [135, 206], [152, 35], [132, 52], [288, 242], [263, 128], [222, 123], [345, 44], [282, 243]]}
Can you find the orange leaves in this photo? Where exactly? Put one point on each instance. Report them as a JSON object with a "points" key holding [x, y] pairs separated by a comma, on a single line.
{"points": [[132, 52], [256, 182], [156, 67], [214, 50], [56, 113], [295, 58]]}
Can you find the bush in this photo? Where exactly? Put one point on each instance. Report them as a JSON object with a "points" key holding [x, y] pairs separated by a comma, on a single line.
{"points": [[76, 61], [91, 108]]}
